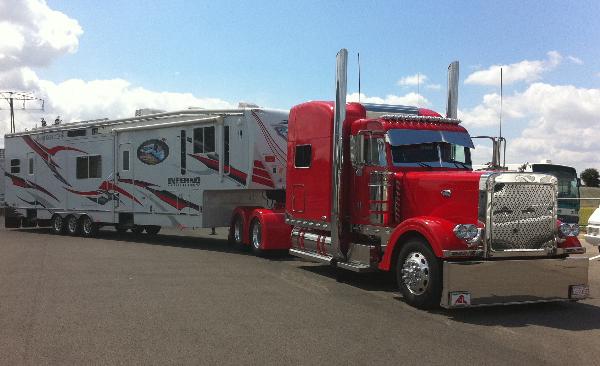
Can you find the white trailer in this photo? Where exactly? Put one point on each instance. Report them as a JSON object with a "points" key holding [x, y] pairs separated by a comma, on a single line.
{"points": [[1, 179], [185, 169]]}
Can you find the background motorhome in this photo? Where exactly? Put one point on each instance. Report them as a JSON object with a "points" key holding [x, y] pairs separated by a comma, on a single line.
{"points": [[568, 185], [187, 168]]}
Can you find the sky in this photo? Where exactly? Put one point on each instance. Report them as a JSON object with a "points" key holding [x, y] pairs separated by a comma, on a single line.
{"points": [[90, 59]]}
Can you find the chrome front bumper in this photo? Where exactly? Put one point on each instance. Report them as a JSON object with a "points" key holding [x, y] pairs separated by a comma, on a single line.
{"points": [[503, 282]]}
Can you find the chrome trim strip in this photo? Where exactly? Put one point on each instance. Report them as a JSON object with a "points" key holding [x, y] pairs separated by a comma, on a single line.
{"points": [[311, 256], [308, 224], [425, 119]]}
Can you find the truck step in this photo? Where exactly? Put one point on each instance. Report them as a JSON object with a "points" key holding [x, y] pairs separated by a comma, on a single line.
{"points": [[311, 256], [355, 267]]}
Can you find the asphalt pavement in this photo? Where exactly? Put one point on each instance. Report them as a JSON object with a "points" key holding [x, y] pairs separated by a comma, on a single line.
{"points": [[189, 298]]}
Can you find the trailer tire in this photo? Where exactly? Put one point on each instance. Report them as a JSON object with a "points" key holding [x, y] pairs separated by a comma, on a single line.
{"points": [[418, 274], [88, 227], [152, 229], [121, 229], [256, 237], [137, 229], [72, 225], [57, 224]]}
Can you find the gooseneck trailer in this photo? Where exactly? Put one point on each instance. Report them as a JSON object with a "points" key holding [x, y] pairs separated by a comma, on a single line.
{"points": [[358, 186]]}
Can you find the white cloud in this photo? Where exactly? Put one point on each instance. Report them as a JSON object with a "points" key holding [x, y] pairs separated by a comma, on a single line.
{"points": [[433, 86], [413, 80], [562, 123], [528, 71], [487, 113], [408, 99], [32, 34], [575, 60]]}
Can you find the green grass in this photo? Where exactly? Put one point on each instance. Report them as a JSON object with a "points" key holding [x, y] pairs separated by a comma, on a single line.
{"points": [[584, 214]]}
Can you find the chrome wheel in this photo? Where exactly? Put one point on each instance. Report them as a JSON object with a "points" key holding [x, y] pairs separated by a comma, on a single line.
{"points": [[415, 273], [87, 226], [57, 224], [72, 225], [256, 235], [237, 230]]}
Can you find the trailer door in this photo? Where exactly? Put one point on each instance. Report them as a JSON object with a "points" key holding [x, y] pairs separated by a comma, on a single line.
{"points": [[124, 173]]}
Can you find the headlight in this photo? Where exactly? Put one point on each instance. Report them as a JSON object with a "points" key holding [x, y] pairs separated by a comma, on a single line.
{"points": [[569, 229], [466, 231]]}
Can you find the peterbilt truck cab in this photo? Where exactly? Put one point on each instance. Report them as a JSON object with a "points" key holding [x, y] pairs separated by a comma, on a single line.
{"points": [[378, 187]]}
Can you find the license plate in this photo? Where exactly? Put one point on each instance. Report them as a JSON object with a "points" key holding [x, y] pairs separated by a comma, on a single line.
{"points": [[579, 292], [458, 299]]}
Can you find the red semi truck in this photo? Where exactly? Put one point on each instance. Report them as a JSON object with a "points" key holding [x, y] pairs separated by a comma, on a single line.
{"points": [[390, 188]]}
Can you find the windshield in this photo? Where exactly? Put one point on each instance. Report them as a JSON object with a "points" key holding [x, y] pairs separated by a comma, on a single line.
{"points": [[434, 154]]}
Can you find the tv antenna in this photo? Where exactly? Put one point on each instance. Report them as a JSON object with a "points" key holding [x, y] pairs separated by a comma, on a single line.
{"points": [[13, 96]]}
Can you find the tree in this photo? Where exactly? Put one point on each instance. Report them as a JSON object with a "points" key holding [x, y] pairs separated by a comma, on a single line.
{"points": [[590, 177]]}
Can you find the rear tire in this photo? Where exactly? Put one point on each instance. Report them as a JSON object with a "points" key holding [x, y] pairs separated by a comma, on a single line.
{"points": [[419, 275], [236, 232], [121, 229], [137, 229], [152, 229], [57, 224], [72, 225], [88, 227], [256, 237]]}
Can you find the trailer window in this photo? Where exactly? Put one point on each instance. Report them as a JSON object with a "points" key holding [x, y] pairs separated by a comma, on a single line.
{"points": [[15, 166], [204, 140], [125, 165], [76, 133], [303, 156], [89, 167], [30, 168]]}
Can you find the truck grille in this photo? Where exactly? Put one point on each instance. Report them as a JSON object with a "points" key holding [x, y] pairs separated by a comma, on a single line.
{"points": [[522, 216]]}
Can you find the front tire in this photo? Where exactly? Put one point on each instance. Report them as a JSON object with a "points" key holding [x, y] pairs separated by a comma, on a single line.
{"points": [[72, 225], [256, 237], [57, 224], [88, 227], [418, 274]]}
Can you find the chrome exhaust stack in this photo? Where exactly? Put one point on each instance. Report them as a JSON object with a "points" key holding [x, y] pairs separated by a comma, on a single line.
{"points": [[452, 102], [341, 82]]}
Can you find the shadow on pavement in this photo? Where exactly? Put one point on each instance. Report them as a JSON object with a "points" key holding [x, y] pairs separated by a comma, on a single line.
{"points": [[573, 316], [176, 241]]}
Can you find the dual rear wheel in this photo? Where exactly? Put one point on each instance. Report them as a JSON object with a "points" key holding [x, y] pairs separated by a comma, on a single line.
{"points": [[73, 225], [236, 235]]}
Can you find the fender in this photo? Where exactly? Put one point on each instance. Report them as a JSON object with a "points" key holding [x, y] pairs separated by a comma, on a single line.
{"points": [[437, 231], [276, 234]]}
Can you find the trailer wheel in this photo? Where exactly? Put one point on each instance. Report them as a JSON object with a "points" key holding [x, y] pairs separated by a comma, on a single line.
{"points": [[57, 224], [418, 274], [256, 237], [72, 225], [88, 227], [152, 229], [137, 229]]}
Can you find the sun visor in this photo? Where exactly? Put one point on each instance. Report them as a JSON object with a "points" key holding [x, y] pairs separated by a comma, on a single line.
{"points": [[399, 137]]}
